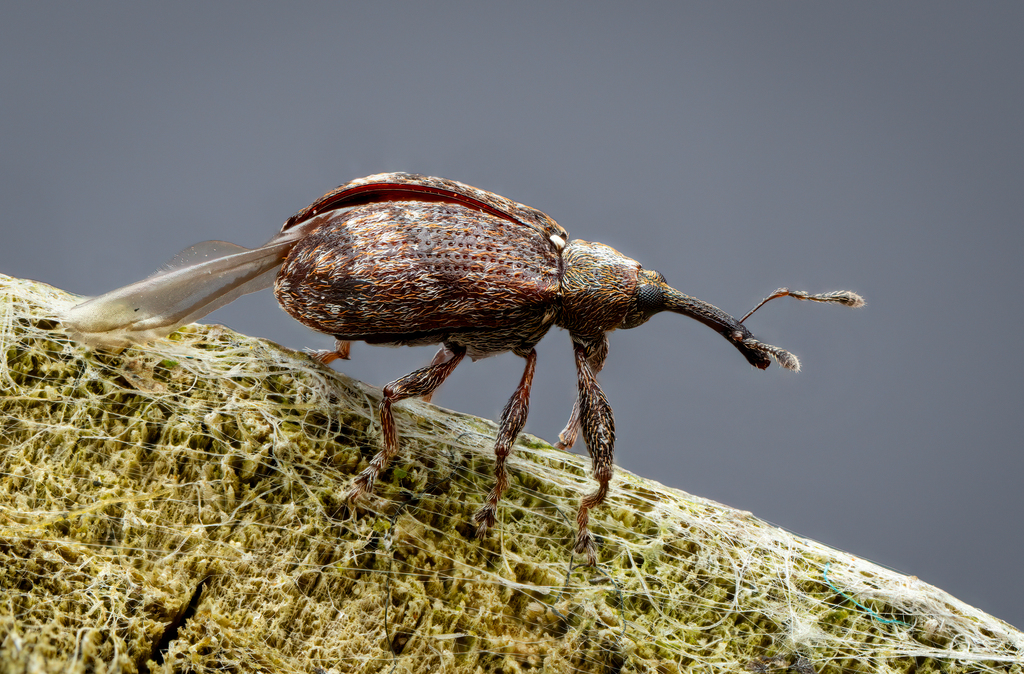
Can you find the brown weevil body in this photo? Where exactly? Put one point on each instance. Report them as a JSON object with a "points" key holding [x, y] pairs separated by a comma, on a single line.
{"points": [[401, 259]]}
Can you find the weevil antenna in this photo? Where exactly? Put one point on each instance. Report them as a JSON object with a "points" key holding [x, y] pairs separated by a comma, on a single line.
{"points": [[845, 297]]}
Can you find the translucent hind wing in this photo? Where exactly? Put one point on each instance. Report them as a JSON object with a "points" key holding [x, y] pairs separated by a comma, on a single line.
{"points": [[197, 281]]}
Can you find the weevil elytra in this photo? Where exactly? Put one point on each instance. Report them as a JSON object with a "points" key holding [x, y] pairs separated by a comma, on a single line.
{"points": [[401, 259]]}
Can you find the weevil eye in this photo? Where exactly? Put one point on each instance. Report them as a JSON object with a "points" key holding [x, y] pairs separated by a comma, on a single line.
{"points": [[650, 290], [650, 298]]}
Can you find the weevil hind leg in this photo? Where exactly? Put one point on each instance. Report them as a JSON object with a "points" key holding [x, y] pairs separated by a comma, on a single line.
{"points": [[421, 382], [512, 420], [598, 427], [341, 350]]}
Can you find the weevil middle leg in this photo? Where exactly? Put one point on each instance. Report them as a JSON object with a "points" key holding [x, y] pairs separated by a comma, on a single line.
{"points": [[421, 382], [443, 354], [512, 420]]}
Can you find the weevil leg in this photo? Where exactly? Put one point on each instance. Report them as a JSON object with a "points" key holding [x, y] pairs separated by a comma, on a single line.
{"points": [[567, 438], [597, 352], [341, 350], [512, 419], [443, 354], [421, 382], [598, 428]]}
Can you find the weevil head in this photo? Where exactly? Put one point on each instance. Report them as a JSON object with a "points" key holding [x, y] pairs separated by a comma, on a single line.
{"points": [[654, 295], [602, 290]]}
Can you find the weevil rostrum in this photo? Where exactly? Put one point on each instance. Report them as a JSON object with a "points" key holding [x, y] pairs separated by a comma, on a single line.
{"points": [[400, 259]]}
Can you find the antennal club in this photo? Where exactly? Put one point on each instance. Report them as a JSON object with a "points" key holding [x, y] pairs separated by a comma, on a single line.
{"points": [[845, 297]]}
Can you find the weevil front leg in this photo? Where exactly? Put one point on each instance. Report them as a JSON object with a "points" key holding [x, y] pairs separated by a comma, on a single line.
{"points": [[512, 419], [598, 428], [597, 352], [421, 382]]}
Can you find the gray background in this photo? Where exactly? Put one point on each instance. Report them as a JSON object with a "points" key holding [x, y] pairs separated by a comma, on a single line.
{"points": [[733, 147]]}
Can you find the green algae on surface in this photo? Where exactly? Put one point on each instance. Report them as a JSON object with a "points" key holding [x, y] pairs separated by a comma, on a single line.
{"points": [[180, 507]]}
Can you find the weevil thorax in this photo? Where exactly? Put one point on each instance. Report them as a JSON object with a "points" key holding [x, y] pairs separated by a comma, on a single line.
{"points": [[597, 289]]}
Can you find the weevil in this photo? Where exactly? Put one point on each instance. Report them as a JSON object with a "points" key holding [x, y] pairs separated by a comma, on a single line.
{"points": [[400, 259]]}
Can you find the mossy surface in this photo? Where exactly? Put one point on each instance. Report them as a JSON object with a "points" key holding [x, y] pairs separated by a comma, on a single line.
{"points": [[180, 507]]}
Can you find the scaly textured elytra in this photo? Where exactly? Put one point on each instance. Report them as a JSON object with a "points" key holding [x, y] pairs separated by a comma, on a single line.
{"points": [[401, 259]]}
